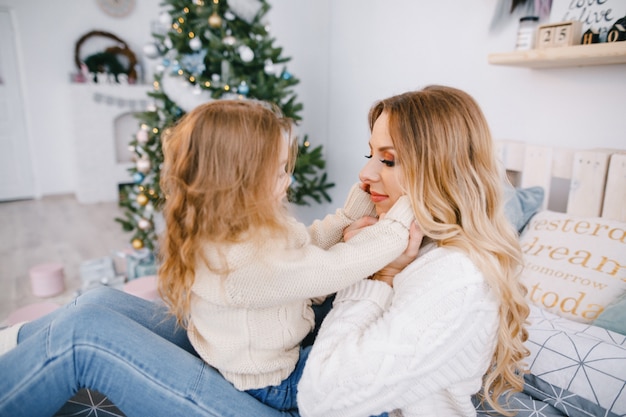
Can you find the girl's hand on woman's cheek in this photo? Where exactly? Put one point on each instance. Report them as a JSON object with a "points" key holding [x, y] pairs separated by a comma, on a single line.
{"points": [[357, 226], [388, 273]]}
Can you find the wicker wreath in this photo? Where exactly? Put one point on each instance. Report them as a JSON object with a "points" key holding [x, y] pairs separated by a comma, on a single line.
{"points": [[115, 50]]}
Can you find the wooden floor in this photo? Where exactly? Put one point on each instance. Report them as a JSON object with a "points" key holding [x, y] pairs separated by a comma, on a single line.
{"points": [[53, 229]]}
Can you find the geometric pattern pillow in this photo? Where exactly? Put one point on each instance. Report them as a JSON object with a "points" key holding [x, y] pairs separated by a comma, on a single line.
{"points": [[560, 399], [574, 266], [540, 399], [586, 360], [88, 403]]}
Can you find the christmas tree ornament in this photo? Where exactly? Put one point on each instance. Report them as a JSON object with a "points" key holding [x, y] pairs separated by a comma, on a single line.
{"points": [[245, 53], [199, 2], [243, 88], [286, 75], [246, 10], [165, 19], [227, 70], [142, 199], [194, 63], [269, 67], [150, 50], [195, 44], [144, 224], [228, 15], [138, 177], [215, 21], [143, 165], [142, 136], [229, 40], [137, 243]]}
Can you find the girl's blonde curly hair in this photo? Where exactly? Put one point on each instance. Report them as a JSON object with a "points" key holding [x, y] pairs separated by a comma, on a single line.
{"points": [[219, 179]]}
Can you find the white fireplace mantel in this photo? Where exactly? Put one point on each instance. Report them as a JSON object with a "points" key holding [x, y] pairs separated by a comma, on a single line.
{"points": [[103, 126]]}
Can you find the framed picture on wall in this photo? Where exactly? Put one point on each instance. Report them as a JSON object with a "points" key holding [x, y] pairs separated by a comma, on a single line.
{"points": [[597, 15]]}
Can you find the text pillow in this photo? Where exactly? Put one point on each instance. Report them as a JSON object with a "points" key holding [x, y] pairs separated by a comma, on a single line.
{"points": [[574, 266]]}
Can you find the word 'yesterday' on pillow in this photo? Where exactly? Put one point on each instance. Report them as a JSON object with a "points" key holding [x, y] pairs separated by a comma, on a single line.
{"points": [[574, 266]]}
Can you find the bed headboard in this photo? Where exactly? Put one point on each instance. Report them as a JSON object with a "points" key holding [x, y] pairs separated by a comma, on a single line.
{"points": [[589, 183]]}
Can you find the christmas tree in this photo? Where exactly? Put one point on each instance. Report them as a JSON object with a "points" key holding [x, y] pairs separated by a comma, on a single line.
{"points": [[210, 50]]}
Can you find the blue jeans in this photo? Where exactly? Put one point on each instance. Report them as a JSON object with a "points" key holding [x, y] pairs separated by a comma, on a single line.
{"points": [[283, 396], [125, 347]]}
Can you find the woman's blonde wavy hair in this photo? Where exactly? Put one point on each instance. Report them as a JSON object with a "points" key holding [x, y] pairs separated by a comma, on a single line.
{"points": [[445, 151], [219, 177]]}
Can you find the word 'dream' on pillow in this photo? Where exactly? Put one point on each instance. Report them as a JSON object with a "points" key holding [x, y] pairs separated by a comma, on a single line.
{"points": [[574, 266]]}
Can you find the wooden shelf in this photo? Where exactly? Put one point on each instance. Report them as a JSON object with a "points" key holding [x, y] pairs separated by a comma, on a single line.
{"points": [[566, 56]]}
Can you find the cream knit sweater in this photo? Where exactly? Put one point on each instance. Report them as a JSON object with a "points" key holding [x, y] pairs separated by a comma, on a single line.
{"points": [[420, 348], [249, 323]]}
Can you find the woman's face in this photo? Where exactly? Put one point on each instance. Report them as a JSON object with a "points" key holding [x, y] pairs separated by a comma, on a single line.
{"points": [[381, 175]]}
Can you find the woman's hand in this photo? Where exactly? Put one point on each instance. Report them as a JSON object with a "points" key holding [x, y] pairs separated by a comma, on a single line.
{"points": [[388, 273]]}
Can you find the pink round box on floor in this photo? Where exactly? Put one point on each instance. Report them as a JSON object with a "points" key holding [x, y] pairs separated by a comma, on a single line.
{"points": [[47, 280]]}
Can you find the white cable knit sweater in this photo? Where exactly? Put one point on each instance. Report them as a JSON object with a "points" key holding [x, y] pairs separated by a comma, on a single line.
{"points": [[249, 324], [420, 348]]}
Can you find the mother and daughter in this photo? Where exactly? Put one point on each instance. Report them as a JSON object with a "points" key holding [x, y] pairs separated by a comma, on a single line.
{"points": [[428, 309]]}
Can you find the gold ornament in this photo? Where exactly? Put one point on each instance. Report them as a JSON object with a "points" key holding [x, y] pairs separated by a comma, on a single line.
{"points": [[215, 20], [142, 199], [137, 243]]}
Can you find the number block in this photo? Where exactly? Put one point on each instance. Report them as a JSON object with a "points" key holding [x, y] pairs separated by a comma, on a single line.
{"points": [[559, 34]]}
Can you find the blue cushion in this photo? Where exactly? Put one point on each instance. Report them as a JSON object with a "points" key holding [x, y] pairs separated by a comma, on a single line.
{"points": [[521, 204], [614, 316]]}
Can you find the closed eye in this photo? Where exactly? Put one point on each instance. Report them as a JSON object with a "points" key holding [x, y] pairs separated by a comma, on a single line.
{"points": [[387, 162]]}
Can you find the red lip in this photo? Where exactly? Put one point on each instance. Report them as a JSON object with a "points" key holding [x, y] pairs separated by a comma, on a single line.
{"points": [[377, 198]]}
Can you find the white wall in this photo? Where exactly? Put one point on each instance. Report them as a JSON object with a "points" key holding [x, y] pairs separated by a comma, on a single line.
{"points": [[347, 54], [380, 48]]}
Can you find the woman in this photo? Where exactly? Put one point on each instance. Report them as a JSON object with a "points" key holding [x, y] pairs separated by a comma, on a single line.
{"points": [[417, 341], [421, 341]]}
